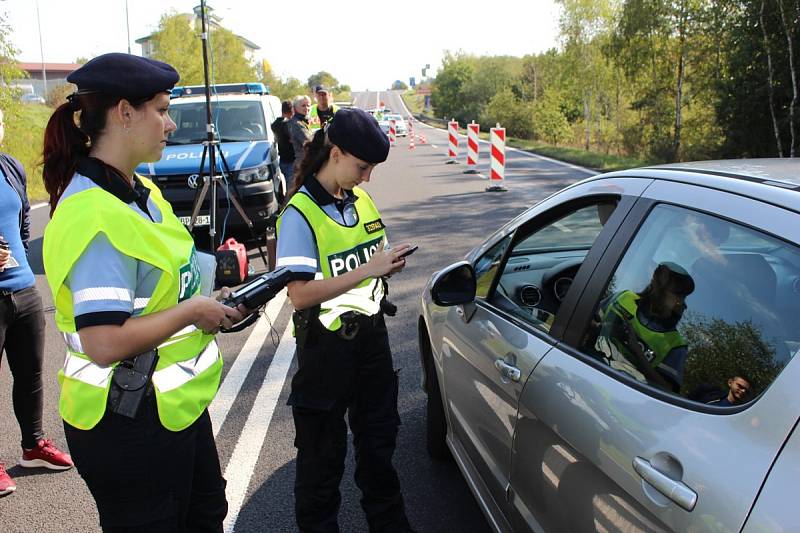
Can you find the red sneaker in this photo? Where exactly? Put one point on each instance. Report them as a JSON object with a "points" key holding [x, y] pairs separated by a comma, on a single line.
{"points": [[46, 455], [7, 485]]}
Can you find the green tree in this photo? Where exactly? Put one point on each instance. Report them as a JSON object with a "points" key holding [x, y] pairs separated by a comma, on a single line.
{"points": [[447, 94], [507, 110], [323, 78], [177, 42], [549, 122], [399, 85], [9, 70]]}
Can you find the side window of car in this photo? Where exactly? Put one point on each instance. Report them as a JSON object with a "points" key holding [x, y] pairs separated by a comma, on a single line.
{"points": [[701, 307], [543, 262], [486, 267]]}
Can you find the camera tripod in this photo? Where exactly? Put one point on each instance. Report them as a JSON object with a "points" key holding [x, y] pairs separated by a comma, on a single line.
{"points": [[212, 150]]}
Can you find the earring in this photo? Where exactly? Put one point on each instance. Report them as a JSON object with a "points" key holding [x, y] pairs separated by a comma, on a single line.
{"points": [[126, 128]]}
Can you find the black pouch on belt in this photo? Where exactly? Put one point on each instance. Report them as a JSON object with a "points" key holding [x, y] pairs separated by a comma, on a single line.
{"points": [[130, 383]]}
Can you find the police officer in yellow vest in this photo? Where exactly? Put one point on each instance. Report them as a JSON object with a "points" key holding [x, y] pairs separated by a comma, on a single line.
{"points": [[142, 364], [638, 332], [332, 238], [322, 112]]}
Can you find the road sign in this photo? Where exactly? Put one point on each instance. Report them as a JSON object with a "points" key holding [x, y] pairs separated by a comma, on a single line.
{"points": [[412, 81]]}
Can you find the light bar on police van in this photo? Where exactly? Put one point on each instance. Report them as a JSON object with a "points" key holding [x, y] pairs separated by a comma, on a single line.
{"points": [[224, 88]]}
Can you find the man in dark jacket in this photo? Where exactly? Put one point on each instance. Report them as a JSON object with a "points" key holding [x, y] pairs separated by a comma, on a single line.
{"points": [[22, 323], [285, 149]]}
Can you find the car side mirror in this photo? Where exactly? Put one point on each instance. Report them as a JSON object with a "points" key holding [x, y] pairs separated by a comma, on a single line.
{"points": [[454, 285]]}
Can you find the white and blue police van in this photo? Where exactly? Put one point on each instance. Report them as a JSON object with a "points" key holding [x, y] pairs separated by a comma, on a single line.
{"points": [[242, 114]]}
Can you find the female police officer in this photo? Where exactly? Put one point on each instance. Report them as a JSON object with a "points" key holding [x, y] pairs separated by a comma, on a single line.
{"points": [[332, 238], [125, 280]]}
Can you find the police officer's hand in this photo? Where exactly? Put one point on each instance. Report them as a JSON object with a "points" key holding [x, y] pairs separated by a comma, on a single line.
{"points": [[211, 315], [387, 262]]}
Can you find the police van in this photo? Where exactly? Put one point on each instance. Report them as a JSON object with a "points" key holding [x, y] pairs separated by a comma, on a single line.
{"points": [[242, 114]]}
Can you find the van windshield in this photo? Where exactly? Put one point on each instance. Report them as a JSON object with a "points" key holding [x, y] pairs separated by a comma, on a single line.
{"points": [[234, 120]]}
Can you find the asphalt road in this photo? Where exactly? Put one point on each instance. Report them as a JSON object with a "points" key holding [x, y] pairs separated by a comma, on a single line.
{"points": [[422, 201]]}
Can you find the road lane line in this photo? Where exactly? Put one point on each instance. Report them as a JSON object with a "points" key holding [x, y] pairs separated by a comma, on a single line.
{"points": [[245, 456], [37, 206], [235, 377]]}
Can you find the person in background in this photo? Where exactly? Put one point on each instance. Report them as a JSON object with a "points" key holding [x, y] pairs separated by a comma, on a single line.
{"points": [[299, 130], [142, 363], [281, 130], [322, 112], [22, 322]]}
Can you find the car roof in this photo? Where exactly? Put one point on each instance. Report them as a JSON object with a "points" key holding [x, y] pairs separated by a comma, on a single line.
{"points": [[774, 180], [217, 98]]}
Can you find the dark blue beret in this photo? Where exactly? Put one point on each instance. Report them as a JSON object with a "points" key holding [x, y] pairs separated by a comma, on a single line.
{"points": [[358, 133], [126, 75]]}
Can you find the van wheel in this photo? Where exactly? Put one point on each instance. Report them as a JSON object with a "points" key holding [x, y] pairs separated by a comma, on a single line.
{"points": [[435, 419]]}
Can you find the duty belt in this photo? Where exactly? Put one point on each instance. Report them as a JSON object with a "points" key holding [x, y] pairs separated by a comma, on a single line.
{"points": [[352, 322]]}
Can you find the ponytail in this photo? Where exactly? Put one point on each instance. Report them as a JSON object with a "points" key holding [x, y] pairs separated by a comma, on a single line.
{"points": [[316, 155], [65, 142]]}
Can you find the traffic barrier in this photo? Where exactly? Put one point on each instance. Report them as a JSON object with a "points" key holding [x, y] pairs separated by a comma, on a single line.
{"points": [[410, 140], [422, 139], [497, 136], [392, 132], [452, 135], [472, 148]]}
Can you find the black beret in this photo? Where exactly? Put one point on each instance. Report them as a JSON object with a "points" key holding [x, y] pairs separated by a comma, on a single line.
{"points": [[357, 132], [126, 75]]}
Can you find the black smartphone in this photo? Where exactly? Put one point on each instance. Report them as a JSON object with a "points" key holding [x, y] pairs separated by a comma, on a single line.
{"points": [[408, 252]]}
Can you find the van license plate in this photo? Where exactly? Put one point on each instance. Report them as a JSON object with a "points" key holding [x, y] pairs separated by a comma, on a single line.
{"points": [[202, 220]]}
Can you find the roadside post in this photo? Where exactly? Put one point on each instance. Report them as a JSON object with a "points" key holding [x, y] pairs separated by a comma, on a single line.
{"points": [[392, 132], [452, 135], [497, 136], [472, 148]]}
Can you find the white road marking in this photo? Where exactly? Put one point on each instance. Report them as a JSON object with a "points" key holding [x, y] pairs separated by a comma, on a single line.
{"points": [[248, 448], [37, 206], [235, 377]]}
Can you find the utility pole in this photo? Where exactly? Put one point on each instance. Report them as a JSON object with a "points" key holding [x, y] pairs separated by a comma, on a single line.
{"points": [[128, 26], [41, 50]]}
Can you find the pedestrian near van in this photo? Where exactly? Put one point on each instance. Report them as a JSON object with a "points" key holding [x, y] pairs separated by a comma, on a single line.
{"points": [[299, 130], [322, 112], [22, 323], [281, 130], [332, 238], [142, 364]]}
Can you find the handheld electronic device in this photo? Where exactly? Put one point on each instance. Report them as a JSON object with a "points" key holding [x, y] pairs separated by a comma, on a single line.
{"points": [[408, 252], [256, 294]]}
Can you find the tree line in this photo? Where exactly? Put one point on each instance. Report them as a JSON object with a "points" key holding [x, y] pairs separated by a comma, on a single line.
{"points": [[667, 80]]}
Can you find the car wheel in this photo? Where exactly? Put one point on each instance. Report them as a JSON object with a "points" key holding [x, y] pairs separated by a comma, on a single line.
{"points": [[435, 419]]}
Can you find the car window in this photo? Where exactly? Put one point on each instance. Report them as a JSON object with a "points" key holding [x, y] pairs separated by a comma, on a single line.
{"points": [[541, 265], [701, 307], [486, 266], [235, 121]]}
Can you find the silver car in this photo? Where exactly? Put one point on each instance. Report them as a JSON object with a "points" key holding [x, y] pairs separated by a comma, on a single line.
{"points": [[620, 357]]}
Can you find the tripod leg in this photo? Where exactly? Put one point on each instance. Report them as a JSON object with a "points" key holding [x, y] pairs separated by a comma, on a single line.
{"points": [[201, 194], [234, 198]]}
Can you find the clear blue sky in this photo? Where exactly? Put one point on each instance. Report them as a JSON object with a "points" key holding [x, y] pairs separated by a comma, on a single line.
{"points": [[362, 43]]}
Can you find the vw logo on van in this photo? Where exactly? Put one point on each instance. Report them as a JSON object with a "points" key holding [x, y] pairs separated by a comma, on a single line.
{"points": [[192, 181]]}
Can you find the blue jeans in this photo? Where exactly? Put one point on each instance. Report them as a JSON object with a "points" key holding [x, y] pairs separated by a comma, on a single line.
{"points": [[286, 170]]}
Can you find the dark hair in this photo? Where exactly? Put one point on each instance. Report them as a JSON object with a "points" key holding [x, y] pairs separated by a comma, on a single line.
{"points": [[316, 155], [286, 106], [66, 141]]}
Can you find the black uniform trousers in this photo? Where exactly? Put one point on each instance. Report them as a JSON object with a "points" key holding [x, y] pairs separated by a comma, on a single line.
{"points": [[148, 479], [338, 376], [22, 337]]}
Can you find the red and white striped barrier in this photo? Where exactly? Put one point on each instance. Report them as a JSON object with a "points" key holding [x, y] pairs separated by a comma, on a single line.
{"points": [[422, 139], [410, 139], [497, 136], [452, 135], [392, 132], [472, 148]]}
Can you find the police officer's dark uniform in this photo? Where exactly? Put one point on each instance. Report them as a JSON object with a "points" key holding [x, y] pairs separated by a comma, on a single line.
{"points": [[345, 363]]}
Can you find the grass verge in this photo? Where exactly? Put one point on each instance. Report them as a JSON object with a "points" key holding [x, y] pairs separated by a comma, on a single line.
{"points": [[24, 137], [598, 161]]}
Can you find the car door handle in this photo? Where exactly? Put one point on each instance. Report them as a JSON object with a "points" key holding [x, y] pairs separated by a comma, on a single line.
{"points": [[676, 491], [507, 371]]}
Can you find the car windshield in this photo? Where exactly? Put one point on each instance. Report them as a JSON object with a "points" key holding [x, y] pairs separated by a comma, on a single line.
{"points": [[393, 117], [234, 120]]}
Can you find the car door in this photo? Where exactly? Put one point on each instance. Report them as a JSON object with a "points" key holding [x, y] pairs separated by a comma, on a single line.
{"points": [[489, 348], [604, 440]]}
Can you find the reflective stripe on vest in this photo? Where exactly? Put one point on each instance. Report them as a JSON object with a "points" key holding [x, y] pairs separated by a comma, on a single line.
{"points": [[175, 375], [314, 122]]}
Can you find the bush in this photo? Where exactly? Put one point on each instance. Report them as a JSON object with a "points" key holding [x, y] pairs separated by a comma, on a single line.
{"points": [[515, 116], [58, 94]]}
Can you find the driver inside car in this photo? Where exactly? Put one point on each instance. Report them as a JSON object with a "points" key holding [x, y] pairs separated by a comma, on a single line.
{"points": [[638, 332]]}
